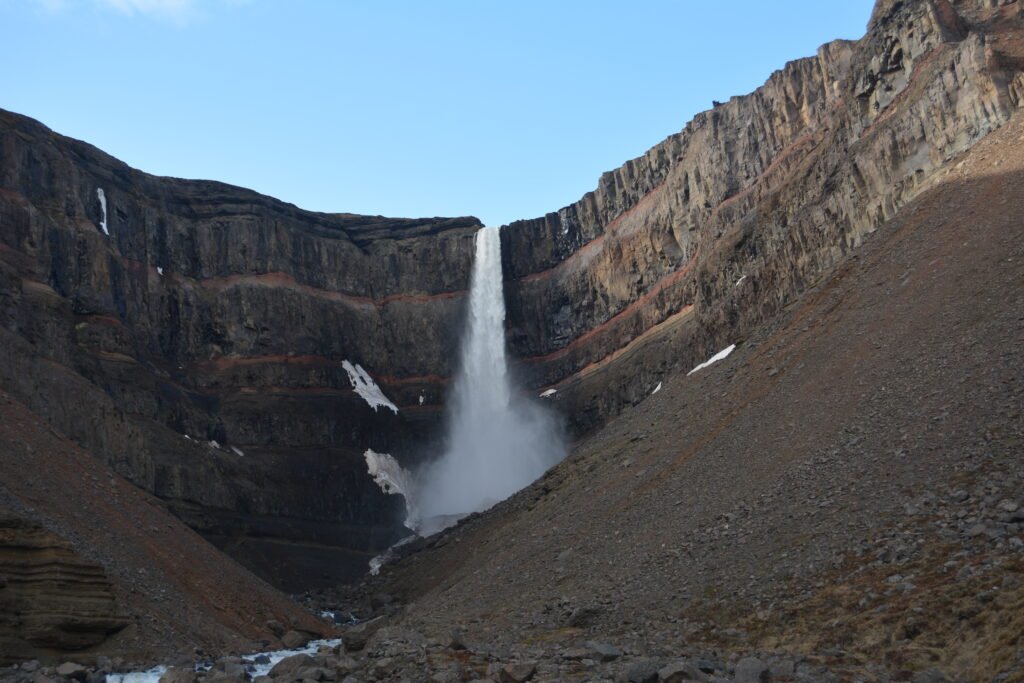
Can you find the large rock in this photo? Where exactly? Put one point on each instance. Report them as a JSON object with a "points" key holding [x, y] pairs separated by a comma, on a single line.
{"points": [[51, 599]]}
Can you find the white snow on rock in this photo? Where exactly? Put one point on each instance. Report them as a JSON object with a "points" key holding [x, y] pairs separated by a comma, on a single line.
{"points": [[656, 389], [714, 359], [393, 479], [548, 393], [367, 388], [103, 208], [150, 676]]}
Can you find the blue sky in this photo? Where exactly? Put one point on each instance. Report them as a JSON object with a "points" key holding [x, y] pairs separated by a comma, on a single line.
{"points": [[501, 110]]}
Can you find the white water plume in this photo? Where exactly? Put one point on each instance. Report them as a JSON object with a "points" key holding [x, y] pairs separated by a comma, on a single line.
{"points": [[498, 440]]}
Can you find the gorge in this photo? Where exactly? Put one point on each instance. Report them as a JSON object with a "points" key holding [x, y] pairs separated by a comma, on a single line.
{"points": [[224, 362]]}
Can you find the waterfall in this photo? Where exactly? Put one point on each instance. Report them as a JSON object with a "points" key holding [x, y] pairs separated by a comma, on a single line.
{"points": [[498, 440]]}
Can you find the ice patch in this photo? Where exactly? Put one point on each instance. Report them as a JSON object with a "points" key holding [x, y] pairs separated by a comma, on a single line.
{"points": [[549, 392], [367, 388], [714, 359], [393, 479], [103, 208], [656, 389]]}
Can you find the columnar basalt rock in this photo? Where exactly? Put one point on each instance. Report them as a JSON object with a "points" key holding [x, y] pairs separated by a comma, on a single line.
{"points": [[682, 251]]}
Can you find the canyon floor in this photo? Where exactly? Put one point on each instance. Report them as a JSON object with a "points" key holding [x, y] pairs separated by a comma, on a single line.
{"points": [[842, 498]]}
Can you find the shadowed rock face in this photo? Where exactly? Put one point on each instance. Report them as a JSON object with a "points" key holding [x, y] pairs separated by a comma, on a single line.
{"points": [[682, 251], [214, 314], [198, 347], [51, 599]]}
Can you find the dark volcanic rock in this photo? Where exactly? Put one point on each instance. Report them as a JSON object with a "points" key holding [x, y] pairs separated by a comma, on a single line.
{"points": [[199, 347]]}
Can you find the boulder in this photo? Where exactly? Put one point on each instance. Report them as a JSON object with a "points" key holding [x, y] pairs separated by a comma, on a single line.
{"points": [[295, 639], [752, 670], [517, 673]]}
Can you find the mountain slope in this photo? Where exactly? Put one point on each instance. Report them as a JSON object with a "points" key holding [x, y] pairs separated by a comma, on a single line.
{"points": [[842, 486]]}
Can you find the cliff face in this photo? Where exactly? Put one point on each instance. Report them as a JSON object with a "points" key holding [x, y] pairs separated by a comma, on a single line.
{"points": [[682, 251], [199, 347]]}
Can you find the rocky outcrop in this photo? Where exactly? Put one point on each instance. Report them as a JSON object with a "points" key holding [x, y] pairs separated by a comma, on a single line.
{"points": [[193, 335], [685, 249], [51, 599]]}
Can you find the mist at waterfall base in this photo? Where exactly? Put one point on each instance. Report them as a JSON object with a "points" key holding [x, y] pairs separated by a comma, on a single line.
{"points": [[498, 439]]}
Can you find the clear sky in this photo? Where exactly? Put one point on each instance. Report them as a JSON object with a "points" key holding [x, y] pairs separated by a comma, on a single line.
{"points": [[499, 109]]}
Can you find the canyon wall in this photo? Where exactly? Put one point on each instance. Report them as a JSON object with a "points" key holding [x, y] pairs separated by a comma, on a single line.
{"points": [[680, 252], [194, 335]]}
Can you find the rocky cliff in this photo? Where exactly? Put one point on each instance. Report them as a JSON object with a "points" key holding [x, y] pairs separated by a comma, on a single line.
{"points": [[195, 336], [682, 251]]}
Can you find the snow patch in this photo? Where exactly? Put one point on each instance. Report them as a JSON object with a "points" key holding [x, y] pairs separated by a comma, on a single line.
{"points": [[422, 398], [389, 555], [367, 388], [714, 359], [103, 209], [656, 389], [741, 280], [393, 479], [238, 451], [214, 444], [149, 676], [159, 271], [548, 393]]}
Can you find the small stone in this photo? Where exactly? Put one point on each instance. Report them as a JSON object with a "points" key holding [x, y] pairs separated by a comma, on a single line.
{"points": [[680, 672], [1008, 506], [604, 651], [72, 670], [179, 674], [517, 673], [643, 671]]}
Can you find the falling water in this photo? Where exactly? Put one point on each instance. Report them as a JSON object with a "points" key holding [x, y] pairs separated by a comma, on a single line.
{"points": [[498, 440]]}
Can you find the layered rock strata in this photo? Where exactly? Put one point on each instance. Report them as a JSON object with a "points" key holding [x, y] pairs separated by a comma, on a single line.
{"points": [[682, 251], [194, 335], [51, 599]]}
